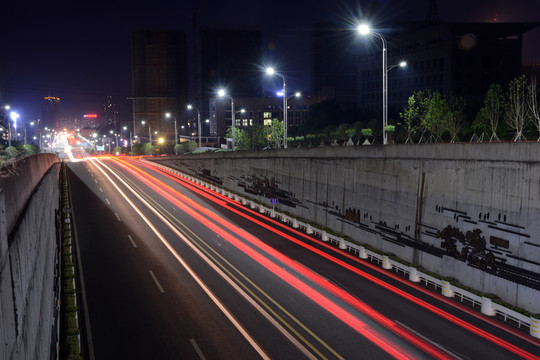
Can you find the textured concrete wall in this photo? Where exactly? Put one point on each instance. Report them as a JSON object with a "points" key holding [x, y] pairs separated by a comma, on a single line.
{"points": [[400, 199], [28, 253]]}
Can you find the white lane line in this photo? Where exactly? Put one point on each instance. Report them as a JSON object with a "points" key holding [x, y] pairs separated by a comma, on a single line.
{"points": [[197, 349], [195, 277], [439, 346], [156, 281], [118, 217], [107, 200], [95, 181], [100, 189], [133, 242]]}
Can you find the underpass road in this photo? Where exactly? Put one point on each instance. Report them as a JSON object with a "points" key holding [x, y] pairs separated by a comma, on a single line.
{"points": [[287, 297]]}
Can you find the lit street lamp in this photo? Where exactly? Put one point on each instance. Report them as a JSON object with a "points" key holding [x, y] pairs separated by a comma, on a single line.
{"points": [[271, 71], [149, 132], [14, 116], [168, 115], [130, 141], [365, 30], [199, 130], [222, 93]]}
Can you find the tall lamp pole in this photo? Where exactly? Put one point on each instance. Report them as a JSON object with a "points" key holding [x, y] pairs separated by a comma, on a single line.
{"points": [[365, 30], [168, 115], [271, 71], [222, 93], [199, 130]]}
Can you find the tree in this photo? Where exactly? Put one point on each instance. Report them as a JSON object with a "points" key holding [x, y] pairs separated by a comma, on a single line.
{"points": [[148, 149], [493, 109], [239, 137], [455, 116], [434, 108], [11, 151], [517, 113], [533, 105], [410, 116], [256, 136], [275, 133]]}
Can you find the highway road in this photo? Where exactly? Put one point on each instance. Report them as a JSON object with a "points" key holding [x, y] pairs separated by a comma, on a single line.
{"points": [[173, 270]]}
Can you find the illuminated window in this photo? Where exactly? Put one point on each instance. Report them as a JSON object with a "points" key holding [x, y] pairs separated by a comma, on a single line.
{"points": [[267, 114], [267, 121], [244, 122]]}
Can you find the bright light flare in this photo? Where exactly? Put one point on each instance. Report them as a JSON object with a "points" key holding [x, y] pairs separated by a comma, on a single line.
{"points": [[270, 71], [364, 29]]}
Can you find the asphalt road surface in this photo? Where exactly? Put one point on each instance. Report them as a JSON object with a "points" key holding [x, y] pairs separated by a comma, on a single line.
{"points": [[172, 270]]}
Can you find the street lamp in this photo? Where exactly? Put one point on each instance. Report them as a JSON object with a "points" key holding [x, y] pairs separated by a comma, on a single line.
{"points": [[222, 93], [14, 116], [149, 132], [364, 29], [190, 107], [130, 141], [271, 71], [168, 115]]}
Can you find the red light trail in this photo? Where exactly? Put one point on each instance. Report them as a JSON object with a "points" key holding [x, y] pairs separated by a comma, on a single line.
{"points": [[428, 348]]}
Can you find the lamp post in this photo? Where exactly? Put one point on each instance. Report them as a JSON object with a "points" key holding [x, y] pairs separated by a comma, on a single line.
{"points": [[271, 71], [130, 141], [14, 116], [168, 115], [222, 93], [365, 30], [149, 132], [199, 130]]}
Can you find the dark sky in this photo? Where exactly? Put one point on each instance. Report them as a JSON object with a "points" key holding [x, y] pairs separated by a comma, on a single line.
{"points": [[80, 51]]}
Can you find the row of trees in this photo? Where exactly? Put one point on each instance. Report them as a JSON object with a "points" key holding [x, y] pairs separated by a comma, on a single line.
{"points": [[429, 112]]}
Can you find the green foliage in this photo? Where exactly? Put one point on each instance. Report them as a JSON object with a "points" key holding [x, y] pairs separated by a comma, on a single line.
{"points": [[490, 114], [455, 117], [11, 151], [390, 129], [275, 133], [185, 147], [31, 149], [411, 113], [177, 148], [434, 109], [367, 133], [148, 149], [117, 150], [239, 136], [335, 135], [322, 138]]}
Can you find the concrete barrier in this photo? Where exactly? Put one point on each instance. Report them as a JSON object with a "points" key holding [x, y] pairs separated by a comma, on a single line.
{"points": [[29, 202], [396, 196]]}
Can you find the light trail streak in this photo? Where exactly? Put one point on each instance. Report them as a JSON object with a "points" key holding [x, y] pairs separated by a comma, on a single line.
{"points": [[502, 343], [205, 288], [182, 202], [184, 229]]}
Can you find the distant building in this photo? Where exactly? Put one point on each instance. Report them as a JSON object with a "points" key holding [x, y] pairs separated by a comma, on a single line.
{"points": [[334, 55], [459, 59], [50, 112], [109, 114], [251, 111], [159, 62], [228, 59]]}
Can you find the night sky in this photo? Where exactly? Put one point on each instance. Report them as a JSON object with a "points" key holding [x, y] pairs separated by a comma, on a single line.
{"points": [[80, 51]]}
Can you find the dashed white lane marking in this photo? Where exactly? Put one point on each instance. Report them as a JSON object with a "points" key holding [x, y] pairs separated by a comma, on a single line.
{"points": [[95, 181], [156, 281], [197, 349], [118, 217], [100, 189], [133, 242], [108, 202]]}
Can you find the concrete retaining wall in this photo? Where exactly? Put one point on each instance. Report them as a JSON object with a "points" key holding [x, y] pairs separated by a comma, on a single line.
{"points": [[29, 198], [454, 209]]}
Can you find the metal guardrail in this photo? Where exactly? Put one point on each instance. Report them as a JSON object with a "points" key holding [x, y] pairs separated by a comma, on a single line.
{"points": [[487, 307]]}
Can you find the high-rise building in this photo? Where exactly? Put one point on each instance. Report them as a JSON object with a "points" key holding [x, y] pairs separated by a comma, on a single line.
{"points": [[109, 114], [456, 59], [333, 68], [50, 112], [159, 71], [228, 59]]}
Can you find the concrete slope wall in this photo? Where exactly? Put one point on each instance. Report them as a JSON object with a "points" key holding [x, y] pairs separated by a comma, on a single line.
{"points": [[468, 211], [29, 198]]}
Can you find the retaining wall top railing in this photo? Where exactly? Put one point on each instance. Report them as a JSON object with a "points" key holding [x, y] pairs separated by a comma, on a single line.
{"points": [[487, 307]]}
